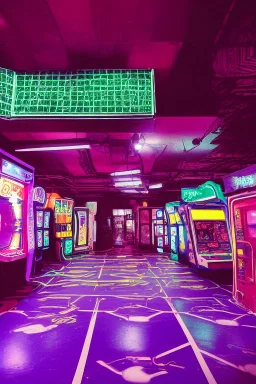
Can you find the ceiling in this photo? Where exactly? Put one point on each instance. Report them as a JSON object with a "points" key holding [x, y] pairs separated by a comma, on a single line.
{"points": [[204, 61]]}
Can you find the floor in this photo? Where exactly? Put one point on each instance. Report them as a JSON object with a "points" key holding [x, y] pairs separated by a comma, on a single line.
{"points": [[135, 319]]}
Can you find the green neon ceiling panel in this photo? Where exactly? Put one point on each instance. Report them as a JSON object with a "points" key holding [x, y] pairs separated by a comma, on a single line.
{"points": [[84, 93], [6, 92]]}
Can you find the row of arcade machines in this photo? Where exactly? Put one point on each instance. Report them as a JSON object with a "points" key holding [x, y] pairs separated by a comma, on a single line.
{"points": [[34, 226], [62, 231], [193, 230], [213, 231]]}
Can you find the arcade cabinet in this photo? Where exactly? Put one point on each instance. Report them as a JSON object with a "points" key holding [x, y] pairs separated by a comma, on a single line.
{"points": [[81, 229], [160, 238], [61, 234], [42, 228], [205, 219], [123, 227], [175, 231], [241, 190], [92, 206], [16, 221], [150, 228]]}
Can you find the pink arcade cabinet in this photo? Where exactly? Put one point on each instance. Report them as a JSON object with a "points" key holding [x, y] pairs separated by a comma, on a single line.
{"points": [[241, 190], [16, 220]]}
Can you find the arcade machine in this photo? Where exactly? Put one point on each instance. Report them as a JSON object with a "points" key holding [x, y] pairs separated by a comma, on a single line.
{"points": [[241, 190], [129, 229], [160, 237], [81, 229], [205, 219], [151, 228], [175, 231], [92, 205], [61, 234], [123, 227], [42, 228], [16, 221]]}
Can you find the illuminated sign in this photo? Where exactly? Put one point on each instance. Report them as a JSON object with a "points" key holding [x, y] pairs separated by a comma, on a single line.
{"points": [[11, 189], [39, 195], [92, 205], [244, 181], [245, 178], [16, 172], [170, 206], [206, 191]]}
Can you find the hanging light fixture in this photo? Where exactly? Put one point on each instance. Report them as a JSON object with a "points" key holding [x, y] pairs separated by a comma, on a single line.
{"points": [[138, 141]]}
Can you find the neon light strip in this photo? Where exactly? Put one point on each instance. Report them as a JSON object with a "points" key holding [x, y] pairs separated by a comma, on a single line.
{"points": [[124, 173], [133, 191], [155, 186], [60, 148], [133, 183]]}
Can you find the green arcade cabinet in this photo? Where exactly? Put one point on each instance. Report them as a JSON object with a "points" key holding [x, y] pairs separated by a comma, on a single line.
{"points": [[204, 215]]}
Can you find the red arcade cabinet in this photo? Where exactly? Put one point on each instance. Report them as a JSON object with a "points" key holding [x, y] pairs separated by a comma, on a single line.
{"points": [[16, 220], [241, 189]]}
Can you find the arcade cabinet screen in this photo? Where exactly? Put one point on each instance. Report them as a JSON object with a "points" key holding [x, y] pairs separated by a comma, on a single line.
{"points": [[82, 229], [39, 238], [57, 206], [39, 219], [159, 214], [177, 217], [64, 206], [46, 219], [68, 247], [144, 227], [46, 239], [251, 223], [211, 235]]}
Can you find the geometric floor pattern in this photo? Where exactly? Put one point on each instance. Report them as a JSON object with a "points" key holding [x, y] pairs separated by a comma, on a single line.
{"points": [[127, 319]]}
